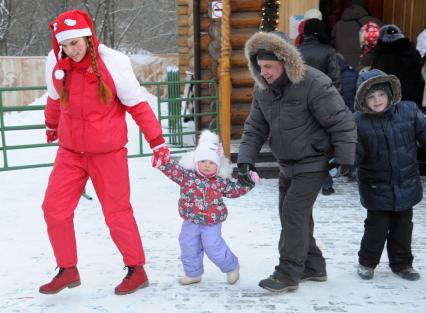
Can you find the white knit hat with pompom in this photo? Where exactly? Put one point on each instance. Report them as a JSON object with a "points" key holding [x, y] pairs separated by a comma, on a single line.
{"points": [[208, 148]]}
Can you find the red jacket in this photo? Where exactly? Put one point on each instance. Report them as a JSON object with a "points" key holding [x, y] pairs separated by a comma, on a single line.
{"points": [[86, 124]]}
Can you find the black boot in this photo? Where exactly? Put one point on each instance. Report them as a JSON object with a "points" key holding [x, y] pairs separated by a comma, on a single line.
{"points": [[275, 285]]}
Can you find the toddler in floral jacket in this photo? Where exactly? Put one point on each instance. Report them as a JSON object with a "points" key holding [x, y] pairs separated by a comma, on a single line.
{"points": [[204, 177]]}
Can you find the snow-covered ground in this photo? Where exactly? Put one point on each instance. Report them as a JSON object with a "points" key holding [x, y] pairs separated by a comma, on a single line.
{"points": [[252, 231]]}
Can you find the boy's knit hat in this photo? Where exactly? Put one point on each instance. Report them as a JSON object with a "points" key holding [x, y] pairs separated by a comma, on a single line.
{"points": [[209, 148], [390, 32]]}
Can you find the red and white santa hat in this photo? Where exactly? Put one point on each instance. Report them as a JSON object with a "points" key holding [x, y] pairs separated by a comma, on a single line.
{"points": [[68, 25]]}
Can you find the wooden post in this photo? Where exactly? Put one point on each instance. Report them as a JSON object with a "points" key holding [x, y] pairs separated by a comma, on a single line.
{"points": [[225, 81]]}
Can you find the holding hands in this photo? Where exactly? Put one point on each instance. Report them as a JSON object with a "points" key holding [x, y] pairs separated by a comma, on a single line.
{"points": [[161, 156], [247, 175]]}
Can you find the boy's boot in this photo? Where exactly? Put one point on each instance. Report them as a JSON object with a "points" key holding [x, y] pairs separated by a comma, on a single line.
{"points": [[187, 280], [135, 279], [233, 276], [67, 277], [365, 272], [408, 273]]}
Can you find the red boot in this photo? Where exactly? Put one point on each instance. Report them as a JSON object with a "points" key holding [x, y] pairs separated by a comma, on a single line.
{"points": [[67, 277], [135, 279]]}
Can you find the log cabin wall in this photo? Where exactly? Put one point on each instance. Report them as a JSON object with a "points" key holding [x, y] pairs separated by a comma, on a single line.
{"points": [[245, 20], [186, 36], [409, 15]]}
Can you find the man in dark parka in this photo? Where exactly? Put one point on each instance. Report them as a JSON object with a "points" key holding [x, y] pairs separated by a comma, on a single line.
{"points": [[308, 123]]}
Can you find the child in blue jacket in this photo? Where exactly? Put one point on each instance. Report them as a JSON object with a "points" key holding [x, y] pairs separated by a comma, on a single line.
{"points": [[388, 174]]}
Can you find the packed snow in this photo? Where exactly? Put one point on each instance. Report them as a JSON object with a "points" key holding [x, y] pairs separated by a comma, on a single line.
{"points": [[251, 230]]}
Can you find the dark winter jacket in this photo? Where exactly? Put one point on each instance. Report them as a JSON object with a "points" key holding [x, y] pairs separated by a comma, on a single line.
{"points": [[321, 56], [349, 78], [345, 33], [401, 58], [388, 173], [302, 112]]}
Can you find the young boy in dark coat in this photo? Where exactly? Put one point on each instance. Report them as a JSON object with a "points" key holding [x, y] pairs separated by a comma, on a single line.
{"points": [[388, 174]]}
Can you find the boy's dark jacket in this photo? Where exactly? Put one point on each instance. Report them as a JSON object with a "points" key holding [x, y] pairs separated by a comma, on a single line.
{"points": [[388, 173]]}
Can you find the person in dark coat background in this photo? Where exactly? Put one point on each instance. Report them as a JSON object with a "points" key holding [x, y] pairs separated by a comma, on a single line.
{"points": [[345, 33], [317, 52], [398, 56], [388, 174]]}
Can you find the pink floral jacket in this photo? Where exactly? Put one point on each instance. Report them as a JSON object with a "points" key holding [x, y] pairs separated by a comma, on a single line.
{"points": [[201, 198]]}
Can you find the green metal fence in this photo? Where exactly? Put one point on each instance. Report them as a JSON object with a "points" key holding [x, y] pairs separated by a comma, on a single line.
{"points": [[169, 109]]}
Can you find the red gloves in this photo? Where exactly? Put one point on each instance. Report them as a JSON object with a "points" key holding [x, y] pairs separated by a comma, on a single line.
{"points": [[51, 135], [161, 156]]}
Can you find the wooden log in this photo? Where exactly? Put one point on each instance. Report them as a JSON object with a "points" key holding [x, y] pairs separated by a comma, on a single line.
{"points": [[241, 95], [240, 77], [240, 36], [205, 23], [182, 10], [237, 131], [238, 59], [183, 21], [236, 5], [183, 30], [239, 112], [246, 19], [243, 6], [183, 41], [206, 60], [204, 41], [183, 2]]}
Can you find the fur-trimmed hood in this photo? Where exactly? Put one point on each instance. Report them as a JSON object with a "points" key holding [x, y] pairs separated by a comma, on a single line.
{"points": [[283, 50], [366, 80]]}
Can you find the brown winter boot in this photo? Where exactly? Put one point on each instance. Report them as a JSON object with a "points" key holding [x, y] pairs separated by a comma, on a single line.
{"points": [[135, 279], [67, 277]]}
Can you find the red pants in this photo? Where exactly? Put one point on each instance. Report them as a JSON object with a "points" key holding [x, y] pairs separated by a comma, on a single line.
{"points": [[110, 177]]}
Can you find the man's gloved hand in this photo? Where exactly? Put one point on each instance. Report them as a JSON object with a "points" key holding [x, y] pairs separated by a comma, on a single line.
{"points": [[51, 135], [244, 177], [161, 156]]}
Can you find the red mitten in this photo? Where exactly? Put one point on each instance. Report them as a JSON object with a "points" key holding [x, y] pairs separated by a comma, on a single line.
{"points": [[51, 135], [161, 156]]}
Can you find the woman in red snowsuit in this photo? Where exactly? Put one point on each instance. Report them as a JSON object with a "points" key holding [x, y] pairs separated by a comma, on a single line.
{"points": [[90, 89]]}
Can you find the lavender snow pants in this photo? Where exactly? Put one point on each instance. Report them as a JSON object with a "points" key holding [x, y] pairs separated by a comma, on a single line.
{"points": [[195, 239]]}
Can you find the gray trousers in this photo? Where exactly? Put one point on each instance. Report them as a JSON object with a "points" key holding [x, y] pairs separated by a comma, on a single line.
{"points": [[298, 250]]}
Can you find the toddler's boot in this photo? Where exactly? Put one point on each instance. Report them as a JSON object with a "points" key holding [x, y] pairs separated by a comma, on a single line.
{"points": [[187, 280], [66, 277], [233, 276], [365, 272], [135, 279]]}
